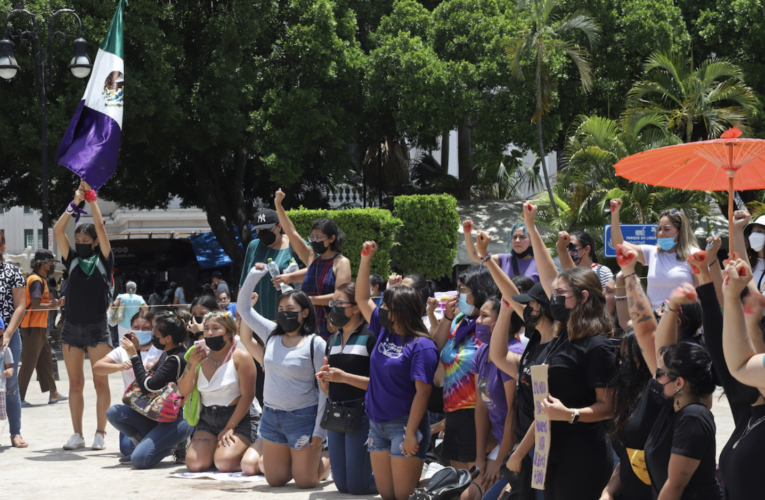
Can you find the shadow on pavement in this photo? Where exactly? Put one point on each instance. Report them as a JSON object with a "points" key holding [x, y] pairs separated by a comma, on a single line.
{"points": [[56, 455]]}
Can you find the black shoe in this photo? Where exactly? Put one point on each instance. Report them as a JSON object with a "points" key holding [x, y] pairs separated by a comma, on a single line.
{"points": [[179, 453]]}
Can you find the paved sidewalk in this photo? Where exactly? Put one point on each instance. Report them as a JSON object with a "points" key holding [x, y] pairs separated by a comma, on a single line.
{"points": [[45, 470]]}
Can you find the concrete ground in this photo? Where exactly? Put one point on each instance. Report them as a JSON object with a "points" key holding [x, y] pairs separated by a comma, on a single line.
{"points": [[45, 470]]}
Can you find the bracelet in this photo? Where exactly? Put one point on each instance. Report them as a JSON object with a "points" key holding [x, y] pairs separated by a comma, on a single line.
{"points": [[448, 318], [713, 262], [670, 309], [505, 303], [619, 299], [486, 257], [73, 209], [90, 196], [619, 287], [633, 274]]}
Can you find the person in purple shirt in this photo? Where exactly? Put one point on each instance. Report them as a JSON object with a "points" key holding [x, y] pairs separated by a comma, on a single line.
{"points": [[519, 262], [402, 366]]}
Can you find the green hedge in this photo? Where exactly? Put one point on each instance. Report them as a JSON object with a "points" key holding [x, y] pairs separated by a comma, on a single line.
{"points": [[359, 225], [428, 237]]}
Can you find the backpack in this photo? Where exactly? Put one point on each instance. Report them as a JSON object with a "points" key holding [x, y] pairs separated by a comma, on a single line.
{"points": [[447, 484]]}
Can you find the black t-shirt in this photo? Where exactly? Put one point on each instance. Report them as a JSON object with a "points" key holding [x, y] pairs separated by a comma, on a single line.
{"points": [[634, 436], [690, 433], [167, 370], [533, 355], [577, 368], [741, 467], [86, 297], [353, 358]]}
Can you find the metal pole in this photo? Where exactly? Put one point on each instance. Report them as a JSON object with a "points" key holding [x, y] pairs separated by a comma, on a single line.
{"points": [[44, 159]]}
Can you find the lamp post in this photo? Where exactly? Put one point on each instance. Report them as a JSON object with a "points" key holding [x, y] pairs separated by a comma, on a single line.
{"points": [[80, 67]]}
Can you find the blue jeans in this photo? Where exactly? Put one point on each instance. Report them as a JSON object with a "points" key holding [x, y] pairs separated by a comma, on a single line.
{"points": [[154, 441], [12, 397], [293, 428], [126, 445], [351, 467], [496, 490], [389, 436]]}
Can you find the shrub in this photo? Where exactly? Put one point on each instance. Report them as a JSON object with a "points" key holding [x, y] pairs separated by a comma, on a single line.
{"points": [[359, 225], [428, 237]]}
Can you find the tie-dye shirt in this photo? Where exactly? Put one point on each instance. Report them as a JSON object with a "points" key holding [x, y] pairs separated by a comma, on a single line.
{"points": [[459, 379]]}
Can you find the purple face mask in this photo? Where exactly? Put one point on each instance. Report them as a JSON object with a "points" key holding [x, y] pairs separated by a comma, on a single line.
{"points": [[483, 333]]}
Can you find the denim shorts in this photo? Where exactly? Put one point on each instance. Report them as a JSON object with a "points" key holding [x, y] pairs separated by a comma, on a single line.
{"points": [[293, 428], [390, 436], [85, 335], [213, 419]]}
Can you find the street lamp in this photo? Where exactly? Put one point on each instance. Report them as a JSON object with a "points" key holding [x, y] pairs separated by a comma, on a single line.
{"points": [[80, 68]]}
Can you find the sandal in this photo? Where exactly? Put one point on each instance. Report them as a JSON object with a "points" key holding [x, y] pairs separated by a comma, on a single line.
{"points": [[18, 442]]}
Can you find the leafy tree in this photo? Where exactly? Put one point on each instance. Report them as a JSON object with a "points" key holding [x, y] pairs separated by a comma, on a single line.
{"points": [[713, 95], [544, 38]]}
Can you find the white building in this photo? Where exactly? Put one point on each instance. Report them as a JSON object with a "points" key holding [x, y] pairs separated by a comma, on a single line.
{"points": [[22, 227]]}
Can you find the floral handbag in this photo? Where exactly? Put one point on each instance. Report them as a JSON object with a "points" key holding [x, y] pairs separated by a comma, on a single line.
{"points": [[161, 406]]}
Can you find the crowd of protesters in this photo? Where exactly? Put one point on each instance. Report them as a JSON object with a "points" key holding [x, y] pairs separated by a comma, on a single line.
{"points": [[632, 364]]}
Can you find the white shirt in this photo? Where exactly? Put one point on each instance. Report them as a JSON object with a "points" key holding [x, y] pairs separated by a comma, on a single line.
{"points": [[120, 355], [665, 273], [757, 274]]}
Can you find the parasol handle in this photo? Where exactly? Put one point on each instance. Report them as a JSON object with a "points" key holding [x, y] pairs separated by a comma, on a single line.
{"points": [[730, 217]]}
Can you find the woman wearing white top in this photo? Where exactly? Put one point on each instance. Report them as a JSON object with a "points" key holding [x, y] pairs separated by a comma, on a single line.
{"points": [[754, 236], [226, 384], [667, 266]]}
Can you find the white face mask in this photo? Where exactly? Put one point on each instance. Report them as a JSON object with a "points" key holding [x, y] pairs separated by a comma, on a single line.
{"points": [[757, 241]]}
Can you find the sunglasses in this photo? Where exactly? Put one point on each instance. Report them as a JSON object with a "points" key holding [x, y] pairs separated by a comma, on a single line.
{"points": [[573, 248]]}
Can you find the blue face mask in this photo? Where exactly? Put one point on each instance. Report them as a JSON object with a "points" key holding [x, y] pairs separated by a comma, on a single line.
{"points": [[463, 305], [142, 336], [667, 244]]}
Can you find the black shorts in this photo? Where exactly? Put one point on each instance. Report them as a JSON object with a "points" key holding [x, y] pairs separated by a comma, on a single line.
{"points": [[213, 419], [87, 335], [459, 436]]}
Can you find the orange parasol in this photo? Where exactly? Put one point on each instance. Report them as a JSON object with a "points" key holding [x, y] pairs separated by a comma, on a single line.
{"points": [[723, 164]]}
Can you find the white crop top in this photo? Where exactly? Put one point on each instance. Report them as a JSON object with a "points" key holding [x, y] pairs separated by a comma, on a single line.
{"points": [[223, 389]]}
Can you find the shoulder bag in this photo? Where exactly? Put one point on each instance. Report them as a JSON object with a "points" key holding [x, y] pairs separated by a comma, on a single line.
{"points": [[337, 416], [161, 406]]}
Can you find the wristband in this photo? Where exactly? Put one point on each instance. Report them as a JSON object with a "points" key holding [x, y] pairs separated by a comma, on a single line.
{"points": [[505, 303], [90, 196], [448, 318], [620, 287], [486, 257], [73, 209], [619, 299]]}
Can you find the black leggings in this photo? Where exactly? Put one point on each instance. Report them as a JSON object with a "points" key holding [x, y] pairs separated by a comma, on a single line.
{"points": [[580, 465]]}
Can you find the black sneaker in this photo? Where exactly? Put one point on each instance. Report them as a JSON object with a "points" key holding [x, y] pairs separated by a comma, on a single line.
{"points": [[179, 454]]}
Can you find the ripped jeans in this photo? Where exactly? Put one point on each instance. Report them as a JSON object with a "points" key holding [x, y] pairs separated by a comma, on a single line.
{"points": [[293, 428]]}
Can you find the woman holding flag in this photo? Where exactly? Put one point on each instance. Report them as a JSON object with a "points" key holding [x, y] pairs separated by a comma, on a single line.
{"points": [[90, 265]]}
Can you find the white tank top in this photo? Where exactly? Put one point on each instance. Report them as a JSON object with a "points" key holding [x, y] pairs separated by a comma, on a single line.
{"points": [[223, 389]]}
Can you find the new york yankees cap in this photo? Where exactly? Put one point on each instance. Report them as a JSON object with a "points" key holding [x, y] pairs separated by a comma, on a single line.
{"points": [[266, 219]]}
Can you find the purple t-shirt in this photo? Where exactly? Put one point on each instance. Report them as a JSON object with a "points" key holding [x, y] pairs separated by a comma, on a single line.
{"points": [[394, 366], [526, 267], [491, 385]]}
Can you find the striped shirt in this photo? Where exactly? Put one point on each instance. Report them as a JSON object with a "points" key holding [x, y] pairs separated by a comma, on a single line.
{"points": [[353, 358]]}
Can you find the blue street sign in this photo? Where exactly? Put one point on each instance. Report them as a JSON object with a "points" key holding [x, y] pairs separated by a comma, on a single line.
{"points": [[637, 234]]}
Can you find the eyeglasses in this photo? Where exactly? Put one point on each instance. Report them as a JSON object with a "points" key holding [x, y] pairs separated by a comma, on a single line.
{"points": [[465, 290], [315, 239], [556, 293], [573, 248], [661, 373], [340, 303]]}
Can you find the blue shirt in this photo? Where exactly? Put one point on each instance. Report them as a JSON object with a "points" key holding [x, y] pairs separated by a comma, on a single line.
{"points": [[132, 303]]}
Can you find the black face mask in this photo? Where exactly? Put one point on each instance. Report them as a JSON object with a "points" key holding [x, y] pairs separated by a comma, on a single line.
{"points": [[199, 319], [558, 309], [156, 344], [515, 323], [84, 250], [657, 392], [624, 372], [267, 237], [530, 319], [215, 343], [288, 320], [338, 316], [319, 247], [523, 254], [384, 322]]}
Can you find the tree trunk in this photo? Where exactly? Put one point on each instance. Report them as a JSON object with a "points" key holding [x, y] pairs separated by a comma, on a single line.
{"points": [[445, 151], [465, 159], [544, 166]]}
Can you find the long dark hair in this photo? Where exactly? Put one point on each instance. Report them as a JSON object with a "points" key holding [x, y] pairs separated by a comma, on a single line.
{"points": [[424, 287], [304, 302], [168, 323], [590, 318], [141, 314], [404, 303], [89, 229], [329, 229], [585, 239], [693, 363], [627, 393], [480, 283], [206, 301]]}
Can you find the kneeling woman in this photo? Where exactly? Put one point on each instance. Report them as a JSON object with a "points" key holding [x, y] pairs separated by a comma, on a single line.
{"points": [[221, 382], [401, 371], [294, 404], [154, 441]]}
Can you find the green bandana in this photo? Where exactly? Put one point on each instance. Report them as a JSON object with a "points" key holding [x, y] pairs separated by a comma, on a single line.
{"points": [[89, 265]]}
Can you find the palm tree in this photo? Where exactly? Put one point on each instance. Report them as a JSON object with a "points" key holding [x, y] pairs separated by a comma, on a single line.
{"points": [[544, 37], [713, 95], [588, 182]]}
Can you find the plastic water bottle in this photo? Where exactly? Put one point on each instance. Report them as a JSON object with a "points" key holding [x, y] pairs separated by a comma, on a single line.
{"points": [[273, 268]]}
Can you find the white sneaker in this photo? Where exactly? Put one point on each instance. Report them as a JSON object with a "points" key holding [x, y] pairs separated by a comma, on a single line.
{"points": [[75, 442], [98, 442]]}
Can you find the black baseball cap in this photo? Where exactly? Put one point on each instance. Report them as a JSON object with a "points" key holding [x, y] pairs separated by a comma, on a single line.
{"points": [[217, 275], [43, 254], [266, 219], [537, 293]]}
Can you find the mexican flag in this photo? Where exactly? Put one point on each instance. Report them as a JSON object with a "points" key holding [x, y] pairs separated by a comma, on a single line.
{"points": [[90, 147]]}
